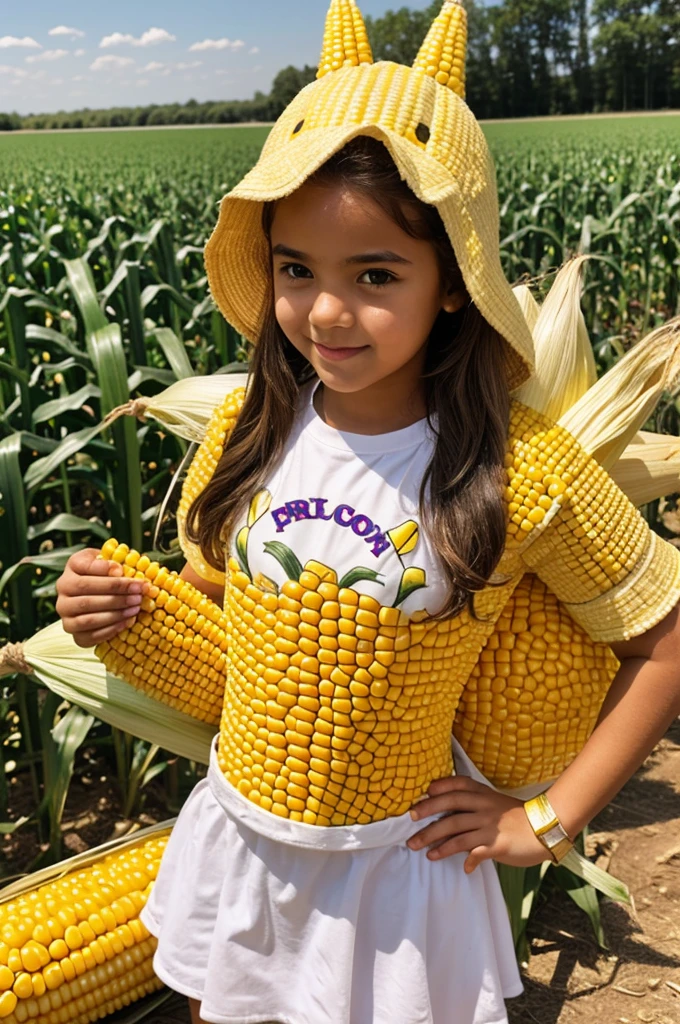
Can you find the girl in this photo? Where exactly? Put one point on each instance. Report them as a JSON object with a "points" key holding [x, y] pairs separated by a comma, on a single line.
{"points": [[335, 867]]}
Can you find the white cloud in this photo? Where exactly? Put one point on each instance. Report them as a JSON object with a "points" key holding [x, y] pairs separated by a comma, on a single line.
{"points": [[142, 81], [26, 41], [79, 53], [80, 78], [153, 65], [148, 38], [254, 49], [217, 44], [47, 55], [258, 67], [7, 69], [186, 65], [64, 30], [110, 62]]}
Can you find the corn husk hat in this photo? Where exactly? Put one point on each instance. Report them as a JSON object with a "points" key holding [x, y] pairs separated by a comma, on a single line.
{"points": [[421, 116]]}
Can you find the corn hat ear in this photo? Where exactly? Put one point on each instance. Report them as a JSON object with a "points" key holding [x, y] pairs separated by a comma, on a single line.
{"points": [[344, 40], [442, 54]]}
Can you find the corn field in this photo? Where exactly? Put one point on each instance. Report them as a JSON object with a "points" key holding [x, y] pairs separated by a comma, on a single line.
{"points": [[103, 298]]}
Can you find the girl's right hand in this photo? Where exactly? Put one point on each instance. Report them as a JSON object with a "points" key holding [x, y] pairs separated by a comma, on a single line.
{"points": [[95, 600]]}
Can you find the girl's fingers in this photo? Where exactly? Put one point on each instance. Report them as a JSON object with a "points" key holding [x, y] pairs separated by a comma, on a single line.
{"points": [[81, 607], [464, 843], [92, 622], [449, 825], [451, 800]]}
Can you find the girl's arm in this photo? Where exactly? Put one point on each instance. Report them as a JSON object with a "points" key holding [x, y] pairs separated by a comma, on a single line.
{"points": [[215, 591], [642, 702]]}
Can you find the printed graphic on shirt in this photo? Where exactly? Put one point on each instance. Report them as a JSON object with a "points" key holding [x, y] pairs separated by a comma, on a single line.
{"points": [[401, 540]]}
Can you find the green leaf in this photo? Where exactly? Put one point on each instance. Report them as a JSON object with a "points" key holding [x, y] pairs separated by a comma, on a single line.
{"points": [[358, 573], [67, 403], [175, 352], [65, 522], [286, 558]]}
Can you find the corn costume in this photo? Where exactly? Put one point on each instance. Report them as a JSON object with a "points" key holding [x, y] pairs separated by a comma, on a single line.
{"points": [[286, 891]]}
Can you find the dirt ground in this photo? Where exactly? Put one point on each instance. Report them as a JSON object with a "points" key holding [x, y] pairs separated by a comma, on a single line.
{"points": [[568, 979]]}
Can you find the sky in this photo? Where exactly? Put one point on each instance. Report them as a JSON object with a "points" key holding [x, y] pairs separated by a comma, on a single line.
{"points": [[66, 54]]}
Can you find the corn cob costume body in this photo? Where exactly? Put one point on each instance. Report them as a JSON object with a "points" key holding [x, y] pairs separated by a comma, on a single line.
{"points": [[338, 697]]}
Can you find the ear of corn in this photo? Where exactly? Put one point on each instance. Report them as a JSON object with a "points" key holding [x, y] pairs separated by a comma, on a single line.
{"points": [[345, 41], [176, 649], [534, 696], [202, 467], [72, 947], [442, 54]]}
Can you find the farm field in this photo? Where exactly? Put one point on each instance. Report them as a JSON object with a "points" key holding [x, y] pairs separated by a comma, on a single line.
{"points": [[101, 237]]}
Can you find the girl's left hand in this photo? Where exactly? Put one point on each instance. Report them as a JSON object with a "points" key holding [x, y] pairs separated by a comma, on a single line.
{"points": [[478, 819]]}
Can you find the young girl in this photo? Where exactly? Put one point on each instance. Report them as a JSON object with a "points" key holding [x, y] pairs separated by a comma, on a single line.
{"points": [[336, 866]]}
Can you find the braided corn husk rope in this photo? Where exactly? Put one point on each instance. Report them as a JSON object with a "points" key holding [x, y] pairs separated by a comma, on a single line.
{"points": [[12, 660]]}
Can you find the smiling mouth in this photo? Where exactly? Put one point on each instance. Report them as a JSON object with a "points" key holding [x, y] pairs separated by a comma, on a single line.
{"points": [[337, 351]]}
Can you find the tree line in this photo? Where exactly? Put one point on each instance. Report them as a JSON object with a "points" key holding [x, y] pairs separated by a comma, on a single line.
{"points": [[525, 58]]}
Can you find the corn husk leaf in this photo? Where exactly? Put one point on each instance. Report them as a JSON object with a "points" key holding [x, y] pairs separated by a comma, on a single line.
{"points": [[609, 885], [530, 308], [77, 675], [186, 406], [565, 365], [649, 467], [606, 419]]}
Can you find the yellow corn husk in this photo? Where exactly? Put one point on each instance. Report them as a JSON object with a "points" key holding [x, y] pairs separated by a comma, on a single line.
{"points": [[442, 54], [345, 41], [530, 308], [72, 947], [534, 696], [176, 649], [76, 674], [649, 467], [565, 366], [607, 417]]}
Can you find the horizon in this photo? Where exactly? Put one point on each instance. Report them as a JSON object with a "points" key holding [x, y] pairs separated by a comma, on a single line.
{"points": [[91, 56]]}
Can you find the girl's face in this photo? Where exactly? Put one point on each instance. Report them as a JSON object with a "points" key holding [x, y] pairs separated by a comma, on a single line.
{"points": [[353, 293]]}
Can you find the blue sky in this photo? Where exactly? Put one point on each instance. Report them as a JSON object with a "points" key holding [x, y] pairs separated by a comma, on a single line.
{"points": [[67, 54]]}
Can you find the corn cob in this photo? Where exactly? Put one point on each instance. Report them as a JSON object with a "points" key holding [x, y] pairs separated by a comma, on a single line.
{"points": [[442, 54], [73, 950], [176, 649], [344, 40], [533, 697], [201, 470]]}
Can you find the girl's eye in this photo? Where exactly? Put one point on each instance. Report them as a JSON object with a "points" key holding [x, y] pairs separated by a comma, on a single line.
{"points": [[378, 279], [295, 270]]}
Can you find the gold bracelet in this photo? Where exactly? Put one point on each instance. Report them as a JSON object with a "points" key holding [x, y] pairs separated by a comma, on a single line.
{"points": [[547, 826]]}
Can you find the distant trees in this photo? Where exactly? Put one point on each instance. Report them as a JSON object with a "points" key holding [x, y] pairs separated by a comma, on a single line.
{"points": [[526, 57]]}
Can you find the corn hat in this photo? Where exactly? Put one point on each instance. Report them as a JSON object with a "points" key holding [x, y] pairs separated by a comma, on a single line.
{"points": [[421, 116]]}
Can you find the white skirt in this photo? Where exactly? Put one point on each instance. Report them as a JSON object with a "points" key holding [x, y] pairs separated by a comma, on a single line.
{"points": [[261, 918]]}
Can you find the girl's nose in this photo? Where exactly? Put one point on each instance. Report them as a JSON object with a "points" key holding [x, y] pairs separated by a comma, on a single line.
{"points": [[330, 310]]}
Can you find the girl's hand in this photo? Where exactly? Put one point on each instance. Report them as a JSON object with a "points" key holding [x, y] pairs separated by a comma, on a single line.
{"points": [[477, 819], [95, 600]]}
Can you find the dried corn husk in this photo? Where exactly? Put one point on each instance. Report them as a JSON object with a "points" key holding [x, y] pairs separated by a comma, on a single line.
{"points": [[76, 674], [649, 467], [565, 366], [530, 308], [608, 416], [186, 406]]}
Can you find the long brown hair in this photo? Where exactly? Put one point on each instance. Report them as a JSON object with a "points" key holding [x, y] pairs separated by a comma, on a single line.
{"points": [[461, 497]]}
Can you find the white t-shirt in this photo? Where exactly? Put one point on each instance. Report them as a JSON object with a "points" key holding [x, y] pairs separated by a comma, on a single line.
{"points": [[350, 502]]}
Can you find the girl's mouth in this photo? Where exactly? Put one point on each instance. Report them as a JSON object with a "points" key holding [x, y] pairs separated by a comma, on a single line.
{"points": [[337, 354]]}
